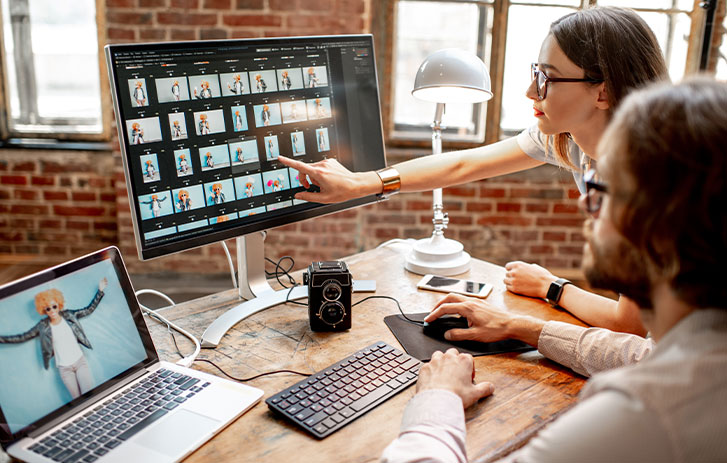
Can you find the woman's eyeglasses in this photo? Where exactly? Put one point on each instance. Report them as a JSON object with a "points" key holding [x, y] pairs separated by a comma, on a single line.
{"points": [[51, 307], [541, 80], [595, 192]]}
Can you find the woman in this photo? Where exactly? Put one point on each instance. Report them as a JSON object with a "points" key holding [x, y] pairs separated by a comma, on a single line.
{"points": [[583, 73]]}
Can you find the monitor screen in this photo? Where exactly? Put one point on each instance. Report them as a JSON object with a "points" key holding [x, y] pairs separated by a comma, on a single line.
{"points": [[201, 125]]}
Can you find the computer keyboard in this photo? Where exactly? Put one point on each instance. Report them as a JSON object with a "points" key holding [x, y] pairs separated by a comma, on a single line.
{"points": [[108, 425], [335, 396]]}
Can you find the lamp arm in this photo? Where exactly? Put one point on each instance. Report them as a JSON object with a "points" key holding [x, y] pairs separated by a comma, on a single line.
{"points": [[440, 219]]}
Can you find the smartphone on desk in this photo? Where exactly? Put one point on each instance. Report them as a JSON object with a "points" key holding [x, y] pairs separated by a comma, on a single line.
{"points": [[454, 285]]}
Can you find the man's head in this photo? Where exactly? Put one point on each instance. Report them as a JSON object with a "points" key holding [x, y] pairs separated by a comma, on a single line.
{"points": [[664, 218], [49, 302]]}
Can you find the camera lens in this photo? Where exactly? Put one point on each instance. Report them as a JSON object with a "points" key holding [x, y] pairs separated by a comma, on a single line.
{"points": [[331, 290], [332, 313]]}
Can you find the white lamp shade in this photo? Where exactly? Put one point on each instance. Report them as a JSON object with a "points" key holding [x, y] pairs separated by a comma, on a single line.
{"points": [[452, 76]]}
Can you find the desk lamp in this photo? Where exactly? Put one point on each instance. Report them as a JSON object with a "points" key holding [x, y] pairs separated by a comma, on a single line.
{"points": [[446, 76]]}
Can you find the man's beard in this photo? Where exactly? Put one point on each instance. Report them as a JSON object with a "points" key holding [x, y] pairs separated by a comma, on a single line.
{"points": [[621, 269]]}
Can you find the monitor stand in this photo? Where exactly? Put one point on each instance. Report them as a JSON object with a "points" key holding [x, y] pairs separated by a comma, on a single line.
{"points": [[254, 287]]}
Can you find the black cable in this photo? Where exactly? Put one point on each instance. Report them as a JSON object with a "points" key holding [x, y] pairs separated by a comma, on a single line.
{"points": [[288, 301], [280, 270], [242, 380], [397, 304]]}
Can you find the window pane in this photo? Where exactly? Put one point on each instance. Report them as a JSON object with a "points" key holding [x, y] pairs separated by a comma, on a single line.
{"points": [[423, 28], [526, 29], [722, 57], [62, 62], [651, 4], [548, 2], [672, 32]]}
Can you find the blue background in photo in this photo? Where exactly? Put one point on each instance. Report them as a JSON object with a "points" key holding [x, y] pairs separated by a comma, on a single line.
{"points": [[243, 115], [27, 390], [272, 150], [227, 189], [220, 156], [160, 232], [275, 118], [294, 182], [241, 185], [271, 176], [196, 194], [187, 157], [299, 142], [326, 145], [249, 151], [165, 204], [193, 225]]}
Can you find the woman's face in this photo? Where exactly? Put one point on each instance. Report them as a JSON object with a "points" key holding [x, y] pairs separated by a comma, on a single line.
{"points": [[52, 310], [568, 106]]}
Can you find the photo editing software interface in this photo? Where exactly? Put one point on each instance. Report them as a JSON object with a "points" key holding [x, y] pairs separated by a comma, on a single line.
{"points": [[202, 125]]}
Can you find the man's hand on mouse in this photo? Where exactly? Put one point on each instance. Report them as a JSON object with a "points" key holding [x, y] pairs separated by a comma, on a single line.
{"points": [[454, 372], [487, 323]]}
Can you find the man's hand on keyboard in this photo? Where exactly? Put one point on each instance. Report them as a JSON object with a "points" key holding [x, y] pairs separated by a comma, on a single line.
{"points": [[454, 372]]}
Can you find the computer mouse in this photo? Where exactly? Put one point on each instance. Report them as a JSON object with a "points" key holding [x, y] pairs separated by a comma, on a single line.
{"points": [[436, 328]]}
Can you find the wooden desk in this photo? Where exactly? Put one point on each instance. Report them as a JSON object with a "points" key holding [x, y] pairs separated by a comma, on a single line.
{"points": [[530, 391]]}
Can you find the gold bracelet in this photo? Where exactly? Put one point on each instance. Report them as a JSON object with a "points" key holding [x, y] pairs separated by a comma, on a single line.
{"points": [[391, 181]]}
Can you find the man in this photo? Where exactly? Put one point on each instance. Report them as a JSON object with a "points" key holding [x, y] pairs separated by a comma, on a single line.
{"points": [[658, 235]]}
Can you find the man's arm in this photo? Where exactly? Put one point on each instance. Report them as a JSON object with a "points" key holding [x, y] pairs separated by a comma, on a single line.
{"points": [[584, 350], [533, 280]]}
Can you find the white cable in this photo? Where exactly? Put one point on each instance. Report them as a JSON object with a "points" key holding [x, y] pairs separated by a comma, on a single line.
{"points": [[188, 360], [229, 261], [396, 240]]}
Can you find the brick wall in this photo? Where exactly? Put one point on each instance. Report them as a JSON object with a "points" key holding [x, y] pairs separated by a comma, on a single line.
{"points": [[62, 204]]}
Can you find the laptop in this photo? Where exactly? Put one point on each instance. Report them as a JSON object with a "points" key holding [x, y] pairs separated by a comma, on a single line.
{"points": [[80, 379]]}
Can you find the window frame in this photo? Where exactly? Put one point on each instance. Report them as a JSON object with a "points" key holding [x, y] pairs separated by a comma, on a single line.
{"points": [[9, 136], [383, 25]]}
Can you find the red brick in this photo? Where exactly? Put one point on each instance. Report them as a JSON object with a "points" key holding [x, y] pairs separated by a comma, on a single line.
{"points": [[556, 262], [185, 4], [27, 195], [108, 197], [180, 34], [13, 179], [76, 225], [5, 194], [492, 192], [54, 250], [543, 193], [78, 211], [508, 207], [24, 167], [29, 209], [83, 196], [260, 4], [213, 34], [553, 236], [66, 181], [573, 193], [570, 250], [257, 20], [386, 233], [217, 4], [244, 33], [11, 236], [130, 18], [97, 182], [151, 34], [536, 207], [558, 221], [317, 5], [110, 4], [351, 6], [50, 223], [187, 19], [418, 205], [460, 220], [55, 195], [577, 237], [3, 165], [23, 223], [315, 21], [37, 180], [118, 33], [506, 220], [468, 192], [153, 3], [565, 208], [541, 249], [479, 207]]}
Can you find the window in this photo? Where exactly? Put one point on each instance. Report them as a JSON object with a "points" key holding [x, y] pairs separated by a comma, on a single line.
{"points": [[507, 35], [51, 71]]}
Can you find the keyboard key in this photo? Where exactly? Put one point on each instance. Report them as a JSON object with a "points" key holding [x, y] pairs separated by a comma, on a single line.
{"points": [[142, 424], [364, 402]]}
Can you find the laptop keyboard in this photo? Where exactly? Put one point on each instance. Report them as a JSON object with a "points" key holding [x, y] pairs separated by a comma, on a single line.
{"points": [[106, 426], [337, 395]]}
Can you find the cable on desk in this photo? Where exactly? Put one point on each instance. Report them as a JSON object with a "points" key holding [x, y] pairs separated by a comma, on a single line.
{"points": [[397, 304], [279, 270], [242, 380]]}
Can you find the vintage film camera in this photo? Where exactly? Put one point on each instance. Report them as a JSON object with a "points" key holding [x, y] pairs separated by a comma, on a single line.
{"points": [[329, 296]]}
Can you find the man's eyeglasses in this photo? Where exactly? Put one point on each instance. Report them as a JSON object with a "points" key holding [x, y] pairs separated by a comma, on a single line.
{"points": [[595, 192], [51, 307], [541, 80]]}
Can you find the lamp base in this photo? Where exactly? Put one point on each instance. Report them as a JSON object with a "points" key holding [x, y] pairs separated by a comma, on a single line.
{"points": [[438, 256]]}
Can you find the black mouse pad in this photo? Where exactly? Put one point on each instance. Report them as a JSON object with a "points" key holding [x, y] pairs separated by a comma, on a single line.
{"points": [[416, 344]]}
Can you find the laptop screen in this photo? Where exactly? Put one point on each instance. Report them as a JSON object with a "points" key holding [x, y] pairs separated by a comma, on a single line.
{"points": [[67, 333]]}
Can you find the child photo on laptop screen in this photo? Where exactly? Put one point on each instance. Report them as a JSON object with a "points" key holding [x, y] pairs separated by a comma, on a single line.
{"points": [[63, 338]]}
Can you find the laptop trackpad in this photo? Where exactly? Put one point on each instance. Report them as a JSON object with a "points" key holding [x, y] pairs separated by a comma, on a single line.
{"points": [[178, 431]]}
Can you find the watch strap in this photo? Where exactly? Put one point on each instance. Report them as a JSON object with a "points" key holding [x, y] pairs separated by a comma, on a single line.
{"points": [[555, 291]]}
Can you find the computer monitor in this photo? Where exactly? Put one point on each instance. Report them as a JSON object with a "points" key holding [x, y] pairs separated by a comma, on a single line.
{"points": [[201, 125]]}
